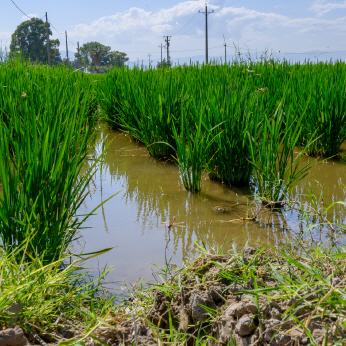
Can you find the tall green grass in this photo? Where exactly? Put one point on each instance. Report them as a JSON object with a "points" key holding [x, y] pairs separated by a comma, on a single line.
{"points": [[192, 146], [318, 91], [276, 166], [233, 101], [46, 121], [50, 301]]}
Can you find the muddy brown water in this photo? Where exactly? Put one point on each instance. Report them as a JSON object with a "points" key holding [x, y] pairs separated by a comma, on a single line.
{"points": [[152, 220]]}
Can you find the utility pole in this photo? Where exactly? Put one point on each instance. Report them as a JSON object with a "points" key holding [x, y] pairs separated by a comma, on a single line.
{"points": [[225, 53], [48, 41], [67, 58], [78, 57], [207, 13], [149, 58], [225, 45], [168, 43], [161, 46]]}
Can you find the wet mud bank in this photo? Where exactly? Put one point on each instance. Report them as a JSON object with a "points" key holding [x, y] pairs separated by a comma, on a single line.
{"points": [[251, 297]]}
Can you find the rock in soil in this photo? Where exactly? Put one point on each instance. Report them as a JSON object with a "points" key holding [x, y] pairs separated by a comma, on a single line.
{"points": [[232, 321], [183, 320], [246, 325], [13, 337], [318, 335], [243, 341], [198, 301], [248, 253], [240, 309], [271, 326]]}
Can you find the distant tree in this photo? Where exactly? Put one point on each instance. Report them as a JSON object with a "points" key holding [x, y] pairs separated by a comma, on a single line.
{"points": [[78, 60], [94, 53], [30, 42], [99, 58], [116, 59]]}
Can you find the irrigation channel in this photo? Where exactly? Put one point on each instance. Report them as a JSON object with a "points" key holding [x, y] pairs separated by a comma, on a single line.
{"points": [[152, 220]]}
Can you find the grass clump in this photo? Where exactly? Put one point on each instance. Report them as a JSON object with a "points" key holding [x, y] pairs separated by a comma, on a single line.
{"points": [[51, 302], [191, 148], [276, 166]]}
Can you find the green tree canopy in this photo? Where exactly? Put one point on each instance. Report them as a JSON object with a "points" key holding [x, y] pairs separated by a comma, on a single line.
{"points": [[99, 58], [30, 42], [116, 58]]}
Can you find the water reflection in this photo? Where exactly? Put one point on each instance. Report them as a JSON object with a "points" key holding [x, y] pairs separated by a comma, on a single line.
{"points": [[153, 219]]}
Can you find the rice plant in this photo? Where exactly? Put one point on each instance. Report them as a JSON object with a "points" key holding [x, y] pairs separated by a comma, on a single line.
{"points": [[231, 113], [319, 91], [46, 122], [276, 166], [191, 148], [241, 99]]}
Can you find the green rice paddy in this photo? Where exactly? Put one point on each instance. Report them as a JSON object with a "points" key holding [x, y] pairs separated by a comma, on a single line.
{"points": [[243, 125]]}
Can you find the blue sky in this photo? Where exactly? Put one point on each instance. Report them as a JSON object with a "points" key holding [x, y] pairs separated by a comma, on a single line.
{"points": [[137, 27]]}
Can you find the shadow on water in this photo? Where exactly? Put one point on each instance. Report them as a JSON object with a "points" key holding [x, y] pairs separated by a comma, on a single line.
{"points": [[153, 220]]}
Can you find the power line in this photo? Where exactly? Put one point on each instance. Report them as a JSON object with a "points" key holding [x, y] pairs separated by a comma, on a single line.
{"points": [[194, 50], [19, 9], [56, 30], [26, 15]]}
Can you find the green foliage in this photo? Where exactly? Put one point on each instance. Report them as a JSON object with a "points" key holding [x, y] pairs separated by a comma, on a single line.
{"points": [[116, 59], [191, 147], [237, 103], [272, 153], [99, 58], [44, 299], [45, 128], [321, 98], [29, 41]]}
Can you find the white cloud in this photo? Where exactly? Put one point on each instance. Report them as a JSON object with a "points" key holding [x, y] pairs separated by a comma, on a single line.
{"points": [[139, 32], [323, 7], [238, 17], [136, 19]]}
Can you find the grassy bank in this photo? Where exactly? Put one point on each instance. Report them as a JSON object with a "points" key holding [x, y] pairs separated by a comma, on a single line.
{"points": [[247, 297], [285, 296]]}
